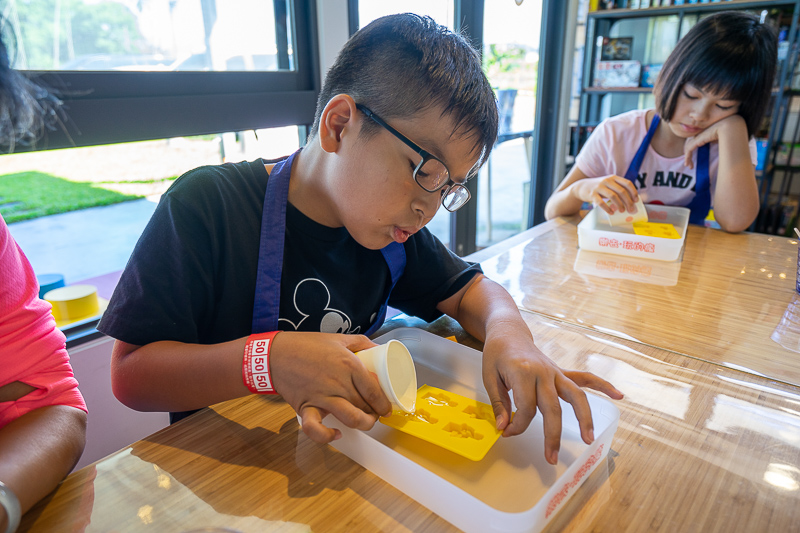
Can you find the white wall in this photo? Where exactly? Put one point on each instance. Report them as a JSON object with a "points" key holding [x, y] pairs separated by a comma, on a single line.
{"points": [[112, 426]]}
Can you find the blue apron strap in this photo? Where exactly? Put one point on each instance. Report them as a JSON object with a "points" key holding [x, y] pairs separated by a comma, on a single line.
{"points": [[633, 170], [701, 203], [395, 256], [270, 252], [266, 307]]}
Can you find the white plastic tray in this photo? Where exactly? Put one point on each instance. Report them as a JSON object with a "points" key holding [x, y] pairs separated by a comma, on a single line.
{"points": [[595, 235], [512, 489]]}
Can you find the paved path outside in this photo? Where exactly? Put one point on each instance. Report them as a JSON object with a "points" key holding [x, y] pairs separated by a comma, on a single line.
{"points": [[84, 244]]}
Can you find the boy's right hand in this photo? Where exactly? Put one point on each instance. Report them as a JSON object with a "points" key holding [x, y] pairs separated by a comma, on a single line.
{"points": [[621, 193], [319, 373]]}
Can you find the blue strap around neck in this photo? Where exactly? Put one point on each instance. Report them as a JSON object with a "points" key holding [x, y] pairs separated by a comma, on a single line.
{"points": [[395, 256], [701, 203], [266, 308], [633, 170]]}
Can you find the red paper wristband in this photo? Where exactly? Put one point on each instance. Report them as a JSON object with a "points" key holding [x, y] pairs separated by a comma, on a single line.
{"points": [[255, 365]]}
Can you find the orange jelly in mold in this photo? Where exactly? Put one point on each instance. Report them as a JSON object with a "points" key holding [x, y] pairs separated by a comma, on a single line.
{"points": [[454, 422]]}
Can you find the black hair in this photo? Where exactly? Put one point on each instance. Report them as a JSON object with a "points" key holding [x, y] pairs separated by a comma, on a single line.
{"points": [[27, 109], [729, 53], [400, 65]]}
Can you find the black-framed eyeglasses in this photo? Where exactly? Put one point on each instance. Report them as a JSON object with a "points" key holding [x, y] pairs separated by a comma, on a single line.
{"points": [[430, 173]]}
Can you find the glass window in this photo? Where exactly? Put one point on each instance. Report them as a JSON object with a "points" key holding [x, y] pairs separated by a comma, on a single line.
{"points": [[440, 10], [65, 206], [511, 59], [150, 35]]}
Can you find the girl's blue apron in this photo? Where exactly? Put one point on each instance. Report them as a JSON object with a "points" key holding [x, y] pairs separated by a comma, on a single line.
{"points": [[701, 203], [270, 254]]}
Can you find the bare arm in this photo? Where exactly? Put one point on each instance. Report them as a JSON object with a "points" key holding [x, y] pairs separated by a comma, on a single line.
{"points": [[511, 360], [578, 188], [736, 202], [316, 373], [38, 449], [175, 376]]}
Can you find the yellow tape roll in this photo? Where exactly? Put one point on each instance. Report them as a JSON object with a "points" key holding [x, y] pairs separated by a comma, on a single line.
{"points": [[73, 302]]}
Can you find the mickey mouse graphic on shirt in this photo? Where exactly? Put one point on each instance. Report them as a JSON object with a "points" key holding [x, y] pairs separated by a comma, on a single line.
{"points": [[311, 300]]}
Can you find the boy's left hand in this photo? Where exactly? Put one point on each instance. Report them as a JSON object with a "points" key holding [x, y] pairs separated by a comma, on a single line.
{"points": [[513, 362]]}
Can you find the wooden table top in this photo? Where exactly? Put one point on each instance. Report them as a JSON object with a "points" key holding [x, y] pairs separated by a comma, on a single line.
{"points": [[705, 441], [730, 301], [699, 448]]}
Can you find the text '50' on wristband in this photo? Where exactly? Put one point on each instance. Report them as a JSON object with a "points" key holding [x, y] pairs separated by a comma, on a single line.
{"points": [[255, 365]]}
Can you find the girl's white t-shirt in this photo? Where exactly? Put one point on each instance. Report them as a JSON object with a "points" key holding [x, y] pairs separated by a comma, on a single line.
{"points": [[662, 180]]}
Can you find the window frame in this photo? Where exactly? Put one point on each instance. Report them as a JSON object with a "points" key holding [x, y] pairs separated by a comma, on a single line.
{"points": [[113, 107]]}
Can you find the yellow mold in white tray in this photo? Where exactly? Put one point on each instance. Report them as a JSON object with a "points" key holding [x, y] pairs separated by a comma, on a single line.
{"points": [[454, 422], [595, 235], [512, 489], [656, 229]]}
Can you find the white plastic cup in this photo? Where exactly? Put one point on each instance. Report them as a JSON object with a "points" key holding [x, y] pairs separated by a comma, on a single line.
{"points": [[619, 218], [393, 365]]}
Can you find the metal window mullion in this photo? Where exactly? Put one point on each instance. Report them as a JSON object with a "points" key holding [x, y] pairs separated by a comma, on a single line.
{"points": [[464, 222], [552, 46]]}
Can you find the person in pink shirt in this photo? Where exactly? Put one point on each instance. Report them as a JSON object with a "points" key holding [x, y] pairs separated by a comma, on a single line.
{"points": [[42, 412], [696, 148]]}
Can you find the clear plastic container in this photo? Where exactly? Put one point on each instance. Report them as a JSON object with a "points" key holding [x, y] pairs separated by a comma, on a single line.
{"points": [[596, 235], [512, 489]]}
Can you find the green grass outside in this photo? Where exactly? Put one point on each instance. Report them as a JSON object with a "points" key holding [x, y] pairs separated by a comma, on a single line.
{"points": [[28, 195]]}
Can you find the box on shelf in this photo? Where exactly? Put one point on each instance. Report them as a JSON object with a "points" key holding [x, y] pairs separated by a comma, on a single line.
{"points": [[616, 49], [761, 151], [617, 73], [595, 235], [512, 489], [649, 74]]}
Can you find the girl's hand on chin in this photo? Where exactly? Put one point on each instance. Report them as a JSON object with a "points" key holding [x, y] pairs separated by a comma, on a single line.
{"points": [[733, 124]]}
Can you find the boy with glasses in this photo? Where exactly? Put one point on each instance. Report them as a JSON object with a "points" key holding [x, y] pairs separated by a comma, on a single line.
{"points": [[317, 244]]}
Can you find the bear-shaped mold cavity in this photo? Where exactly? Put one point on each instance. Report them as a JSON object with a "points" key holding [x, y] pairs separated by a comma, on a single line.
{"points": [[422, 415], [482, 412], [439, 400], [462, 431]]}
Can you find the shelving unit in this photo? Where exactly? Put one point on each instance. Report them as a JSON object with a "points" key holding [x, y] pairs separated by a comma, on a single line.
{"points": [[656, 30]]}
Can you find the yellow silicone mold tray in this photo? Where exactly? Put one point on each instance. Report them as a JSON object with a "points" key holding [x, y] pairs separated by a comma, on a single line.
{"points": [[656, 229], [454, 422]]}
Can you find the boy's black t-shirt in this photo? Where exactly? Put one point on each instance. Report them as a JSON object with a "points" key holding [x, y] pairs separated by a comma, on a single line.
{"points": [[191, 277]]}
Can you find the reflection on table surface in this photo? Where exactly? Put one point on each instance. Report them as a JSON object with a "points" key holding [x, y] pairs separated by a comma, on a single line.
{"points": [[720, 304], [699, 448]]}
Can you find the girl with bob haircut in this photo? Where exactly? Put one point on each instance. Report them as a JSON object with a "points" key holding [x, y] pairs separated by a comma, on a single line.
{"points": [[696, 148]]}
